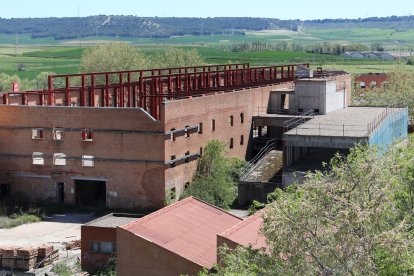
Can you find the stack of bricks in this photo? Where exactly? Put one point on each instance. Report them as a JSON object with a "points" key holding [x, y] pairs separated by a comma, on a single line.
{"points": [[46, 255], [8, 259], [73, 244], [26, 258]]}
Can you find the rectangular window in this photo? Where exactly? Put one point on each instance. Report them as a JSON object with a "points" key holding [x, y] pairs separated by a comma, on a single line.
{"points": [[201, 151], [172, 137], [231, 143], [38, 158], [242, 118], [242, 140], [59, 159], [57, 134], [231, 120], [101, 247], [200, 128], [172, 194], [37, 133], [213, 125], [88, 161], [187, 134], [87, 135]]}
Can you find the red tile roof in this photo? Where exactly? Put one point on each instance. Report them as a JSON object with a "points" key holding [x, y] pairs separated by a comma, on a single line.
{"points": [[188, 228], [247, 232]]}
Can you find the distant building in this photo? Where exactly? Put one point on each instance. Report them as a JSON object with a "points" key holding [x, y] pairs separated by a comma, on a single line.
{"points": [[180, 239], [370, 80], [388, 55]]}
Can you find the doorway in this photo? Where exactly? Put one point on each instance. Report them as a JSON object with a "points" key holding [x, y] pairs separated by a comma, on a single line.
{"points": [[4, 190], [90, 193], [60, 192]]}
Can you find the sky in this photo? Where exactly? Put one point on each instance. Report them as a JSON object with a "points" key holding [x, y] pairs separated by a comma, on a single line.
{"points": [[293, 9]]}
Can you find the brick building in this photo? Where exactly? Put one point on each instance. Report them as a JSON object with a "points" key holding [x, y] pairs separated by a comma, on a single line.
{"points": [[370, 80], [128, 139], [180, 239]]}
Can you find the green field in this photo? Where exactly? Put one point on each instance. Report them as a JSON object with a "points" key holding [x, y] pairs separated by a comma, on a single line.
{"points": [[47, 54]]}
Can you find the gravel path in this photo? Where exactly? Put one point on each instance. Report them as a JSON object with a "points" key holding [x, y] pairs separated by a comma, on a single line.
{"points": [[55, 231]]}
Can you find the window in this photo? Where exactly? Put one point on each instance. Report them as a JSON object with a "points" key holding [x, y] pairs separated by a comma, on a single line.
{"points": [[187, 134], [231, 120], [201, 151], [38, 158], [362, 84], [231, 143], [57, 134], [172, 137], [186, 185], [172, 193], [186, 157], [213, 125], [37, 133], [173, 157], [59, 159], [242, 140], [242, 118], [87, 135], [200, 128], [87, 161], [373, 84], [101, 247]]}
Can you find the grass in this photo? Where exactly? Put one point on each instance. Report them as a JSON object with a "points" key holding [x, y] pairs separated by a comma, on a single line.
{"points": [[62, 270]]}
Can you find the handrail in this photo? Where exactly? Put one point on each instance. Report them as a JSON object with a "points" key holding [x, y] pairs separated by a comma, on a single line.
{"points": [[294, 121], [248, 168]]}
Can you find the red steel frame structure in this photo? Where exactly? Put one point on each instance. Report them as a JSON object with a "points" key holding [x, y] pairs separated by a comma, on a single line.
{"points": [[147, 89]]}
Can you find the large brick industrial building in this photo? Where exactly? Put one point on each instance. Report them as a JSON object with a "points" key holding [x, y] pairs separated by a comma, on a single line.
{"points": [[130, 139]]}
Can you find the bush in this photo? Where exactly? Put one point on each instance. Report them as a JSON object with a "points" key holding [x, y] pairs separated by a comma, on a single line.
{"points": [[216, 177]]}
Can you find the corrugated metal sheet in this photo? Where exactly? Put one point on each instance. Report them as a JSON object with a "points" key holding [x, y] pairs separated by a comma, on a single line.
{"points": [[188, 228]]}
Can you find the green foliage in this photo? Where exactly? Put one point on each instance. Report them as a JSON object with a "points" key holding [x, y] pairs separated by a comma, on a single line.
{"points": [[256, 206], [62, 269], [355, 219], [112, 57], [175, 57], [109, 269], [216, 177]]}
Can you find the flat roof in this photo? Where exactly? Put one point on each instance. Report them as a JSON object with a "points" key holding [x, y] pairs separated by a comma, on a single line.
{"points": [[247, 232], [347, 122], [113, 220], [187, 228]]}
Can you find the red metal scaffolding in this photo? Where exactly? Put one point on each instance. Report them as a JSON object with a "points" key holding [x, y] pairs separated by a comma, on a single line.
{"points": [[147, 89]]}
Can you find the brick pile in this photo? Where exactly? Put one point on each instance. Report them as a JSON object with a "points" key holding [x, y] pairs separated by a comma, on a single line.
{"points": [[26, 258], [73, 244]]}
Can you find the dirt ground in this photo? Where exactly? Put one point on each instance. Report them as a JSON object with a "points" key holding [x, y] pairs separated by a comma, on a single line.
{"points": [[56, 231]]}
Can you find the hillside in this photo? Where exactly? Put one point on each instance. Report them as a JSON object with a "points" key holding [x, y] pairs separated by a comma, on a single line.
{"points": [[164, 27]]}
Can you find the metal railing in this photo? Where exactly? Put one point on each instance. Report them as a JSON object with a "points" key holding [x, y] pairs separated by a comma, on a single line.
{"points": [[295, 122], [252, 164]]}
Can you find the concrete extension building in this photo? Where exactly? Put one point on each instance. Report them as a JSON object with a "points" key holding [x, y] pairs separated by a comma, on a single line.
{"points": [[128, 139], [311, 123]]}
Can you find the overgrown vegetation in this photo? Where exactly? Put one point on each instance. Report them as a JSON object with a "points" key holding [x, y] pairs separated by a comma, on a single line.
{"points": [[108, 270], [215, 180], [62, 269], [354, 219]]}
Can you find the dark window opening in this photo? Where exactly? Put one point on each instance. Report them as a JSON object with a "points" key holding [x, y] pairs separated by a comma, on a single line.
{"points": [[201, 151], [316, 110], [200, 128], [213, 125], [5, 190], [60, 192], [172, 138], [300, 110], [87, 135], [90, 193], [102, 247], [172, 193], [231, 143], [242, 118], [242, 140], [187, 133], [231, 120], [186, 186]]}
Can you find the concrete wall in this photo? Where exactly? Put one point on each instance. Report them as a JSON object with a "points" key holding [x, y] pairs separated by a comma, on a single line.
{"points": [[91, 261], [392, 128], [137, 256], [133, 172]]}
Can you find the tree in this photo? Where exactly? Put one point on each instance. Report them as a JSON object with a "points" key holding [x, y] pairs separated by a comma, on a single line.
{"points": [[215, 178], [354, 219], [115, 56], [174, 57]]}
